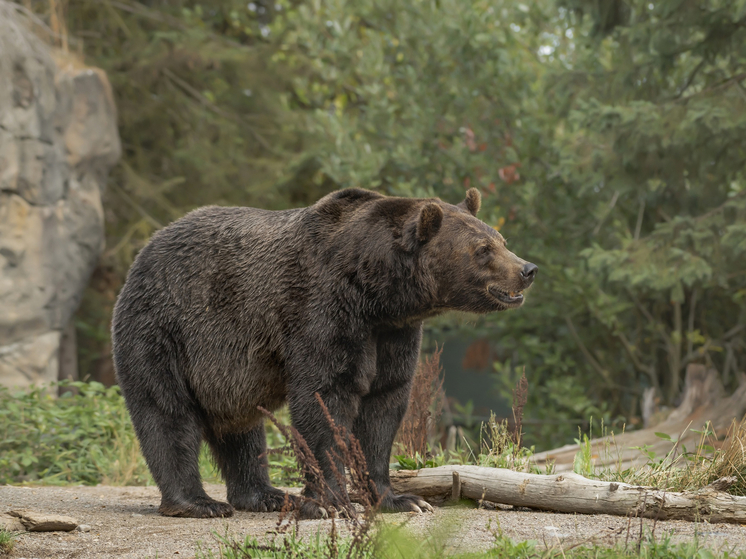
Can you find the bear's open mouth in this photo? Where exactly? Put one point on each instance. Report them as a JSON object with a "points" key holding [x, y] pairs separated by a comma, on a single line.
{"points": [[507, 297]]}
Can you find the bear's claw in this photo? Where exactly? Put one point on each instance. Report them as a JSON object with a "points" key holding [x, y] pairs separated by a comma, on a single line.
{"points": [[310, 510], [425, 506], [406, 503]]}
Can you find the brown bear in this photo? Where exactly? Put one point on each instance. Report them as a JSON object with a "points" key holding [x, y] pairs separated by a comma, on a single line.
{"points": [[228, 309]]}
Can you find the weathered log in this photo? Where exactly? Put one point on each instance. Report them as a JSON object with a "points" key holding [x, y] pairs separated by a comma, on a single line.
{"points": [[569, 492]]}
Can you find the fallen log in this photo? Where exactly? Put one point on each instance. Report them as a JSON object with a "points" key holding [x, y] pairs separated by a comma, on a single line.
{"points": [[569, 492]]}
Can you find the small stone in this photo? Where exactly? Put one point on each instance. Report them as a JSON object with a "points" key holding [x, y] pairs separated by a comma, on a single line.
{"points": [[84, 528], [136, 514]]}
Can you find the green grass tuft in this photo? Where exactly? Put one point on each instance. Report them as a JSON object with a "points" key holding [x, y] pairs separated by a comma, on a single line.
{"points": [[7, 541]]}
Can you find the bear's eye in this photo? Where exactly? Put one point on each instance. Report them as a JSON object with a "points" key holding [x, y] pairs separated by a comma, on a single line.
{"points": [[484, 250]]}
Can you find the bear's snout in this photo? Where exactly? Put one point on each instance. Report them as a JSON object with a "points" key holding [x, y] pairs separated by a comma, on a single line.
{"points": [[529, 273]]}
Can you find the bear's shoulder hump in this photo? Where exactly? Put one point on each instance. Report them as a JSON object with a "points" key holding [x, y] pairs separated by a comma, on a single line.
{"points": [[351, 196], [343, 202]]}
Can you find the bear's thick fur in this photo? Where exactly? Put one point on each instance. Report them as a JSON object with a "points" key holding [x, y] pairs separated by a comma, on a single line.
{"points": [[228, 309]]}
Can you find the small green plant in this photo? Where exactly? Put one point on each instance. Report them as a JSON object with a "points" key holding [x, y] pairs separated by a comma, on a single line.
{"points": [[7, 541], [500, 449], [583, 462], [497, 449], [500, 445], [418, 461], [283, 468]]}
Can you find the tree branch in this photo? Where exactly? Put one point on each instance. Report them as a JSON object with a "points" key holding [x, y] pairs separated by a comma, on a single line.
{"points": [[690, 325], [214, 108], [737, 78], [690, 79]]}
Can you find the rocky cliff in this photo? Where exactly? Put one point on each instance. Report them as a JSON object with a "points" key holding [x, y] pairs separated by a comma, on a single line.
{"points": [[58, 141]]}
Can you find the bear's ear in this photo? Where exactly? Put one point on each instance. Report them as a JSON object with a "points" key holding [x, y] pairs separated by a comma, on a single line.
{"points": [[472, 202], [429, 221]]}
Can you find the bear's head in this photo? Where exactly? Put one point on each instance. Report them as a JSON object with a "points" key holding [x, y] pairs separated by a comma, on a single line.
{"points": [[469, 261]]}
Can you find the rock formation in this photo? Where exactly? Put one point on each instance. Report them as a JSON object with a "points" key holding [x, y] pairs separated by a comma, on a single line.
{"points": [[58, 141]]}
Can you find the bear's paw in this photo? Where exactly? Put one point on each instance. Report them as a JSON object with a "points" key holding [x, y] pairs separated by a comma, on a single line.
{"points": [[201, 507], [265, 500]]}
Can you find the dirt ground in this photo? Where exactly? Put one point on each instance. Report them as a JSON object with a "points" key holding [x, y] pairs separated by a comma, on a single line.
{"points": [[124, 523]]}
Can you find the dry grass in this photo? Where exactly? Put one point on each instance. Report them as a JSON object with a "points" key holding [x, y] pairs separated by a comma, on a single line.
{"points": [[425, 406], [688, 470], [19, 30], [128, 465], [520, 397], [350, 471]]}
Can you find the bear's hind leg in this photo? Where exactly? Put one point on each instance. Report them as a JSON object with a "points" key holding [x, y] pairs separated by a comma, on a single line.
{"points": [[242, 458], [170, 443]]}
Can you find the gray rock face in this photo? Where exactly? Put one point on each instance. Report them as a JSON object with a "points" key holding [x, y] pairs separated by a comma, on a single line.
{"points": [[58, 141]]}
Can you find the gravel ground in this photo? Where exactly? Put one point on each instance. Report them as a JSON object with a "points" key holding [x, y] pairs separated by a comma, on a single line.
{"points": [[124, 523]]}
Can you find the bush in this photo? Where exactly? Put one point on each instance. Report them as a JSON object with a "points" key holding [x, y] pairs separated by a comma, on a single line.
{"points": [[85, 436]]}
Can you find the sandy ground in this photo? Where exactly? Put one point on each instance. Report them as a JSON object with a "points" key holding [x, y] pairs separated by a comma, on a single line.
{"points": [[124, 523]]}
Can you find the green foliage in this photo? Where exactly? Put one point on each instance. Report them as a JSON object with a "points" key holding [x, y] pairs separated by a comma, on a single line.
{"points": [[283, 467], [85, 436], [405, 97], [76, 438], [198, 115], [608, 140], [652, 141]]}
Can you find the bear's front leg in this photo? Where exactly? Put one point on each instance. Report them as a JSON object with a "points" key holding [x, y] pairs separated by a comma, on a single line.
{"points": [[311, 423], [382, 410]]}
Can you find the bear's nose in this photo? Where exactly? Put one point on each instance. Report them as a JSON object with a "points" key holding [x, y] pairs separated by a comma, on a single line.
{"points": [[529, 273]]}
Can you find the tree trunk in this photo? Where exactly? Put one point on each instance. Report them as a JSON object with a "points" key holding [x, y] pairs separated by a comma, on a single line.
{"points": [[572, 493]]}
